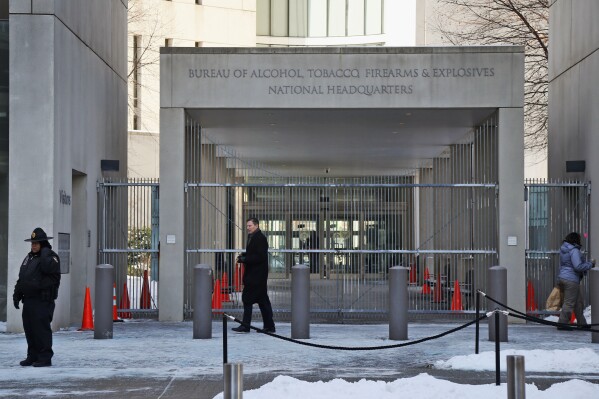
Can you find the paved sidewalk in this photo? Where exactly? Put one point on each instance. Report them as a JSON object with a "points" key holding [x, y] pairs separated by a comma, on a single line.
{"points": [[148, 359]]}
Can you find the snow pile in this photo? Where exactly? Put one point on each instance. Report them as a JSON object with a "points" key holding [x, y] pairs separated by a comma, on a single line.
{"points": [[583, 360], [421, 386]]}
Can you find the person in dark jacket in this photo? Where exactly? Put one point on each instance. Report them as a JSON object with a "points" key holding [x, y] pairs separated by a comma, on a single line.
{"points": [[37, 288], [255, 278], [572, 267]]}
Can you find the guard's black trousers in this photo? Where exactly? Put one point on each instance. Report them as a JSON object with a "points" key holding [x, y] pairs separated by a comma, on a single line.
{"points": [[257, 294], [37, 316]]}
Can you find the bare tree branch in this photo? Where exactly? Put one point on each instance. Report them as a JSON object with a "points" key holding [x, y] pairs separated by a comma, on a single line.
{"points": [[144, 22], [517, 22]]}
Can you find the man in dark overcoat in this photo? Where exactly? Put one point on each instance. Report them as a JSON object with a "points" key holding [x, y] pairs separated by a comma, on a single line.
{"points": [[37, 288], [255, 278]]}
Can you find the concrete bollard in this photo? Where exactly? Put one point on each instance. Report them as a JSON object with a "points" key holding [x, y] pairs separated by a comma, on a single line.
{"points": [[300, 302], [202, 302], [516, 379], [398, 303], [497, 289], [103, 314], [233, 373], [594, 288]]}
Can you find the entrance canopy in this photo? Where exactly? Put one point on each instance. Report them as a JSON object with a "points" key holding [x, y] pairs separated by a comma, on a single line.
{"points": [[450, 115], [306, 111]]}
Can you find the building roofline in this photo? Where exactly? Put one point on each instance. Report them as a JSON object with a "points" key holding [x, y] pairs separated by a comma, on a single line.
{"points": [[343, 50]]}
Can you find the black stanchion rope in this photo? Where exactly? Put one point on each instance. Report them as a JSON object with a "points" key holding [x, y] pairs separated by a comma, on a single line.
{"points": [[359, 348], [520, 315]]}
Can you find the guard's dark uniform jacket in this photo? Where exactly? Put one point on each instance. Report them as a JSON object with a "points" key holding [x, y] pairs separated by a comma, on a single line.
{"points": [[37, 288]]}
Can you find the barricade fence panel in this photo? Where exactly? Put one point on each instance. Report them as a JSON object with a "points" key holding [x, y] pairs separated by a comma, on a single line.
{"points": [[128, 240], [349, 234], [348, 247], [553, 209]]}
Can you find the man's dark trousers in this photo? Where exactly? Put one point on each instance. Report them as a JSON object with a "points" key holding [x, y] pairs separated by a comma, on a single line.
{"points": [[252, 295]]}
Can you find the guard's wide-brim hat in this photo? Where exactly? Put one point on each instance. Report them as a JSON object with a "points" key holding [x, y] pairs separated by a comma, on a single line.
{"points": [[38, 235]]}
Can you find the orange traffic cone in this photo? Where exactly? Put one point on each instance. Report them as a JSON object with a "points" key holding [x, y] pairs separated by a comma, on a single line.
{"points": [[438, 291], [87, 323], [413, 274], [531, 304], [217, 296], [145, 301], [456, 300], [125, 304], [225, 288], [426, 289], [115, 317]]}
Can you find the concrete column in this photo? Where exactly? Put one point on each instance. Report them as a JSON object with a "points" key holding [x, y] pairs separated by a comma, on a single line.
{"points": [[31, 120], [172, 215], [511, 220]]}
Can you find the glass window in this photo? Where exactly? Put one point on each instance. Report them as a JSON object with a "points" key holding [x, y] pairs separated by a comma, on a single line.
{"points": [[317, 19], [263, 17], [275, 231], [374, 17], [298, 18], [336, 17], [279, 18], [355, 17], [3, 9]]}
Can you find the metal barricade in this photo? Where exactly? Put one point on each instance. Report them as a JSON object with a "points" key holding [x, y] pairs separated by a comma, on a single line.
{"points": [[553, 209], [128, 240]]}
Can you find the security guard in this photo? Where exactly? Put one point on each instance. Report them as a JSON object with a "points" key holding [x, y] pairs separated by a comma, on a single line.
{"points": [[37, 288]]}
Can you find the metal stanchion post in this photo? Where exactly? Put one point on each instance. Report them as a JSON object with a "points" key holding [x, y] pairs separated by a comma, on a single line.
{"points": [[398, 303], [202, 302], [497, 364], [225, 344], [477, 331], [103, 315], [233, 381], [594, 288], [232, 372], [516, 387]]}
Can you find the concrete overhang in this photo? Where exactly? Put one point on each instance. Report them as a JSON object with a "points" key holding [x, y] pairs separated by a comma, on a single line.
{"points": [[301, 111], [362, 142]]}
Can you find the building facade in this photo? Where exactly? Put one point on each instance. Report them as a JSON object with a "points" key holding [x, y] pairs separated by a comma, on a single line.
{"points": [[180, 23], [242, 23], [573, 98], [67, 128], [3, 155]]}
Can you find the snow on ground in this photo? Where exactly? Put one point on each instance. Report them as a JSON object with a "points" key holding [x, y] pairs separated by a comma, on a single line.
{"points": [[421, 386], [586, 313], [150, 349]]}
